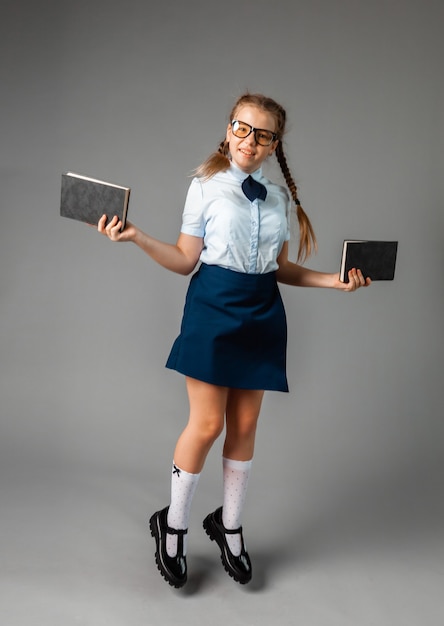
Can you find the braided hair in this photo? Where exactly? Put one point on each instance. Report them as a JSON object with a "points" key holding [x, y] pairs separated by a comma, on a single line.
{"points": [[219, 161]]}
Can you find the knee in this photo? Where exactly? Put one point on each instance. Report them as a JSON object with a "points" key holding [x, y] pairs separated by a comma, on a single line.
{"points": [[209, 429], [213, 429], [242, 429]]}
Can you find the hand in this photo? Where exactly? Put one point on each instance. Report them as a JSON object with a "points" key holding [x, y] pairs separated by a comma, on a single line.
{"points": [[355, 280], [112, 229]]}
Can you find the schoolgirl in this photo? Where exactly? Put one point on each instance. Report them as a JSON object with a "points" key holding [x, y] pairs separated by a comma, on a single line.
{"points": [[232, 341]]}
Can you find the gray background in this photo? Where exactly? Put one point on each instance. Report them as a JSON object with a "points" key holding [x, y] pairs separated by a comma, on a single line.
{"points": [[344, 517]]}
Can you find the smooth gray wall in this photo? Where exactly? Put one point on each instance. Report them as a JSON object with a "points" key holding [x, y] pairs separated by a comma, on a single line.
{"points": [[139, 93]]}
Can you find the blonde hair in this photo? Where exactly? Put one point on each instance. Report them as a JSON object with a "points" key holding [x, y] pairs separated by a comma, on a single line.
{"points": [[219, 161]]}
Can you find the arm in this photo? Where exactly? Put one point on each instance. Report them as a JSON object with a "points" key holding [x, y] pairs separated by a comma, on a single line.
{"points": [[292, 274], [181, 257]]}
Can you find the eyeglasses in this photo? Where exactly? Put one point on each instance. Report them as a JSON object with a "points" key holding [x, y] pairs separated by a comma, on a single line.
{"points": [[262, 137]]}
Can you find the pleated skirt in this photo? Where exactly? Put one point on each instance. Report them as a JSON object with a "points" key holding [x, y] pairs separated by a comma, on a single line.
{"points": [[233, 331]]}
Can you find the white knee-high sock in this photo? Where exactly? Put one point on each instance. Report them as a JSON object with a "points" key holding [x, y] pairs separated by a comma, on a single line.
{"points": [[236, 475], [183, 486]]}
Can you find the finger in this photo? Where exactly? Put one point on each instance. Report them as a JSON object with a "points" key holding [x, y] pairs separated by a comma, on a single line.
{"points": [[117, 226], [110, 225], [353, 279], [101, 224], [361, 277]]}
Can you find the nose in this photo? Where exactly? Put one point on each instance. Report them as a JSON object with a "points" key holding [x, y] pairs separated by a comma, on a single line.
{"points": [[251, 139]]}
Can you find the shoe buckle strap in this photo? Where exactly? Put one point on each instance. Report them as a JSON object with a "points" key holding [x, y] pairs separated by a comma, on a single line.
{"points": [[180, 532], [176, 531], [230, 531]]}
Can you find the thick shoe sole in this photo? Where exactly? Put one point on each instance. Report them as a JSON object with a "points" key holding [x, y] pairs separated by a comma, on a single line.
{"points": [[165, 573], [214, 535]]}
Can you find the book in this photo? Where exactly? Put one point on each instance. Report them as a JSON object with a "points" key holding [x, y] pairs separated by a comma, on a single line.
{"points": [[87, 199], [375, 259]]}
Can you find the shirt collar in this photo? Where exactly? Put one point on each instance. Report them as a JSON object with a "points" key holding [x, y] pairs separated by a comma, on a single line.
{"points": [[240, 175]]}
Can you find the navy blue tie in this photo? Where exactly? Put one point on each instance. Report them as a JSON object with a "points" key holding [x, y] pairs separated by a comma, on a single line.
{"points": [[253, 189]]}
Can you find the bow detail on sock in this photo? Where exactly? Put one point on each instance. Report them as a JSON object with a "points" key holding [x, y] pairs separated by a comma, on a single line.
{"points": [[253, 189]]}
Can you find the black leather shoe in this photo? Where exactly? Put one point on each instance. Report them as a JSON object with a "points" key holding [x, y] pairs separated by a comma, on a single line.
{"points": [[238, 567], [173, 569]]}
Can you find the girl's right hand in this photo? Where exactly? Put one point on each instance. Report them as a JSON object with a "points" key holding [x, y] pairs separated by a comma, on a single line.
{"points": [[112, 229]]}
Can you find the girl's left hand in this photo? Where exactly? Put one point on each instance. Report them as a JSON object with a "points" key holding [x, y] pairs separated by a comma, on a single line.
{"points": [[355, 280]]}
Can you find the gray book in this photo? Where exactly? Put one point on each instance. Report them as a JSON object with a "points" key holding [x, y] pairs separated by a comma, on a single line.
{"points": [[87, 199], [375, 259]]}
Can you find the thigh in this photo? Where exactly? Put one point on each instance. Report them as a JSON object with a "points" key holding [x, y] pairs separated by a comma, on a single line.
{"points": [[243, 408], [205, 424], [207, 402]]}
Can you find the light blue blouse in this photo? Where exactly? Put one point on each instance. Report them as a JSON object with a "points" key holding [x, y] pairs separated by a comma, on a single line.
{"points": [[238, 234]]}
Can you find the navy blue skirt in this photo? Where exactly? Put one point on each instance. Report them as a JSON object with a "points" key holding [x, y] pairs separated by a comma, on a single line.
{"points": [[233, 331]]}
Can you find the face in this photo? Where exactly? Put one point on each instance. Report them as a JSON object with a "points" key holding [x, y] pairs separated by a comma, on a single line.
{"points": [[246, 153]]}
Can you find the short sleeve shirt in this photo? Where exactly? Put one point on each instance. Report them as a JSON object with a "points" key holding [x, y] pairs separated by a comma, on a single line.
{"points": [[238, 234]]}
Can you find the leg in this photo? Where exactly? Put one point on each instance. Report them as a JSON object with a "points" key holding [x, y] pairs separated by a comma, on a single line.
{"points": [[169, 526], [243, 408], [242, 415], [206, 422], [223, 525]]}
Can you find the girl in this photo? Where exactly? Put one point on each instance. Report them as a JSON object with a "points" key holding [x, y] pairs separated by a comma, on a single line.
{"points": [[232, 342]]}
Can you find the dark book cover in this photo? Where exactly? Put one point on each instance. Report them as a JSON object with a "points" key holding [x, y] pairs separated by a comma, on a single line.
{"points": [[87, 199], [376, 259]]}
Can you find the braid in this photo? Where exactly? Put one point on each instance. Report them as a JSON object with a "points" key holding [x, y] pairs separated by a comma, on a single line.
{"points": [[223, 148], [282, 160], [217, 162], [307, 239]]}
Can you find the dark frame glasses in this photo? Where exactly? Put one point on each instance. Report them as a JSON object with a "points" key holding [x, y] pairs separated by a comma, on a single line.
{"points": [[262, 136]]}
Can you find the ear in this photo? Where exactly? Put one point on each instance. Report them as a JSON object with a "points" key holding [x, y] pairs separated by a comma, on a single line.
{"points": [[273, 147], [229, 131]]}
